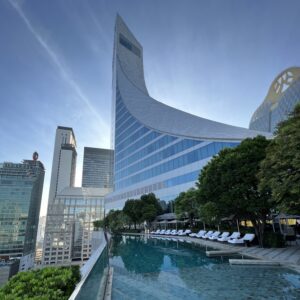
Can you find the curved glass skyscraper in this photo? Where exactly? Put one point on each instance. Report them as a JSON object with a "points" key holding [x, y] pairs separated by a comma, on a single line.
{"points": [[157, 148], [283, 95]]}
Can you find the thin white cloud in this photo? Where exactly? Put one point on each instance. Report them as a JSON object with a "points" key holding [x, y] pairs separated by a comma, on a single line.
{"points": [[59, 64]]}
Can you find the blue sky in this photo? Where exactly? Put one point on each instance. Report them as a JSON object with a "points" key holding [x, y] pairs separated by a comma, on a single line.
{"points": [[215, 59]]}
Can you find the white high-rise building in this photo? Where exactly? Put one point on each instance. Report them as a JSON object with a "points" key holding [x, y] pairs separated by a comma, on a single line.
{"points": [[63, 169], [64, 161]]}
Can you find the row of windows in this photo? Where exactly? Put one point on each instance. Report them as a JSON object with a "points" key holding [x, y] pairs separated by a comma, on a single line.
{"points": [[128, 141], [178, 162], [159, 156], [156, 145], [121, 120], [137, 145], [125, 126], [189, 177], [127, 132], [120, 110]]}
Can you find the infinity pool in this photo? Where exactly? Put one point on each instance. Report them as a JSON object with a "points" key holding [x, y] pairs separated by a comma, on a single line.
{"points": [[164, 269]]}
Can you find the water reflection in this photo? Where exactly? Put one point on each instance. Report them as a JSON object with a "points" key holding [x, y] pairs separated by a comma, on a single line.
{"points": [[166, 269]]}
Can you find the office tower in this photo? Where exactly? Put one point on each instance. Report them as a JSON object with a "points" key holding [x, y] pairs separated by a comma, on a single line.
{"points": [[69, 228], [282, 97], [64, 161], [157, 148], [97, 168], [63, 170], [21, 186]]}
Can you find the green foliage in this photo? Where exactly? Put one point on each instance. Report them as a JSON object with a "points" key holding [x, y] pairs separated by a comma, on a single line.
{"points": [[280, 171], [98, 224], [115, 220], [133, 209], [55, 283], [230, 181], [209, 213], [187, 203], [150, 207], [273, 240], [144, 209]]}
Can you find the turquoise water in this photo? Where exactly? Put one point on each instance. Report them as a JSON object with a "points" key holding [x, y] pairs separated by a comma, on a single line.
{"points": [[165, 269]]}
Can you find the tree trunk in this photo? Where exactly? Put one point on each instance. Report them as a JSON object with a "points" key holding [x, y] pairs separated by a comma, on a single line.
{"points": [[259, 226]]}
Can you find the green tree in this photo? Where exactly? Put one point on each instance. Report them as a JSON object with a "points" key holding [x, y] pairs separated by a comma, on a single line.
{"points": [[209, 213], [150, 207], [98, 224], [280, 170], [187, 203], [51, 283], [115, 220], [133, 209], [230, 181]]}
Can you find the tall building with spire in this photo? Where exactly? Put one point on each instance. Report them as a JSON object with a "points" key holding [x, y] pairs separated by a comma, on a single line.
{"points": [[158, 148]]}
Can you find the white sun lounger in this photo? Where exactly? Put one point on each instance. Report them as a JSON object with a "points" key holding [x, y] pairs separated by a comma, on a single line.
{"points": [[234, 235], [179, 232], [162, 231], [186, 232], [198, 233], [224, 235], [215, 235], [167, 232], [201, 234], [248, 237], [207, 235]]}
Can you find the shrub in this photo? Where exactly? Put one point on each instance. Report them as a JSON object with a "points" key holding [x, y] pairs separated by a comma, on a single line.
{"points": [[273, 240], [55, 283]]}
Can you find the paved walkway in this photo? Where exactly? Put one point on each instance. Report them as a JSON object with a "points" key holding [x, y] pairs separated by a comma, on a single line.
{"points": [[287, 257]]}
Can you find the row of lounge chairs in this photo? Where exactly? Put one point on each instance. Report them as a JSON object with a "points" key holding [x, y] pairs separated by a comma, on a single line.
{"points": [[234, 238], [172, 232]]}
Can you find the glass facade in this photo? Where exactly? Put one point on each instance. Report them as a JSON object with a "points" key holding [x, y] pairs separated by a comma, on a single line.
{"points": [[97, 168], [21, 186], [68, 236], [157, 148], [283, 95], [144, 153]]}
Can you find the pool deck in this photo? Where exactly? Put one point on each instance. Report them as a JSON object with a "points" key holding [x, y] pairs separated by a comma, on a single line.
{"points": [[287, 257]]}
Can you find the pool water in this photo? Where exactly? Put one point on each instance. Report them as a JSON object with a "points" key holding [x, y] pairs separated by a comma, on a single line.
{"points": [[148, 268]]}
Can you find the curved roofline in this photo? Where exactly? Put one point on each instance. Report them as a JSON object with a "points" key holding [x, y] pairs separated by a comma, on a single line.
{"points": [[128, 60]]}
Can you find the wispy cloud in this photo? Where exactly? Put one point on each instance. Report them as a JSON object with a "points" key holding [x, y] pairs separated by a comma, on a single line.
{"points": [[58, 62]]}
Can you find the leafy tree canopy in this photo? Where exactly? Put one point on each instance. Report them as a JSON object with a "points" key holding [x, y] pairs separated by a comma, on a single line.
{"points": [[55, 283], [230, 181], [115, 220], [280, 171], [187, 203], [150, 207], [133, 209]]}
